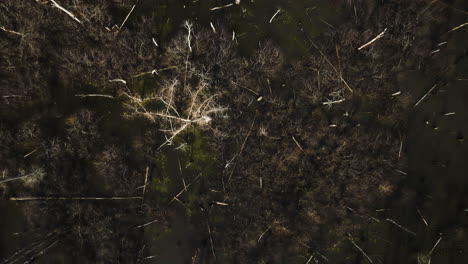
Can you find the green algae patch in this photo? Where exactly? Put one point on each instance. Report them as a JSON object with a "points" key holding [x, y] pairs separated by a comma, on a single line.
{"points": [[181, 170]]}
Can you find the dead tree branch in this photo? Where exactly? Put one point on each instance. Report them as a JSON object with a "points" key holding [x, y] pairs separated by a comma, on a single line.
{"points": [[55, 4]]}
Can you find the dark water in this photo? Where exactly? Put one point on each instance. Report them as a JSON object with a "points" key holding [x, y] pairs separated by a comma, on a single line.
{"points": [[434, 142]]}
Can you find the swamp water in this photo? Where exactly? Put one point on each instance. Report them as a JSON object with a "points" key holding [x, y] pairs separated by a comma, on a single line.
{"points": [[434, 144]]}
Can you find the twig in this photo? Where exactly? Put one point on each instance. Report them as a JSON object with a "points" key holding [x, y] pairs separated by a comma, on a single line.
{"points": [[30, 249], [174, 117], [190, 183], [72, 198], [297, 143], [435, 245], [128, 15], [322, 256], [211, 240], [66, 11], [401, 147], [310, 259], [94, 95], [277, 12], [118, 80], [30, 153], [403, 228], [333, 102], [155, 71], [333, 67], [248, 89], [42, 252], [260, 237], [174, 134], [194, 98], [182, 176], [155, 43], [243, 145], [373, 40], [146, 224], [146, 181], [457, 27], [221, 7], [402, 172], [360, 249], [424, 220], [326, 23], [12, 31], [212, 27], [16, 178], [188, 26], [13, 96], [424, 96], [450, 6]]}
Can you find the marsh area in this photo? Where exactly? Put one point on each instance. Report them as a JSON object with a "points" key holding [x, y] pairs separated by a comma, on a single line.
{"points": [[218, 131]]}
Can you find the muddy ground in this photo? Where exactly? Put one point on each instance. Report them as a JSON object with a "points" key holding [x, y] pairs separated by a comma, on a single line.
{"points": [[303, 131]]}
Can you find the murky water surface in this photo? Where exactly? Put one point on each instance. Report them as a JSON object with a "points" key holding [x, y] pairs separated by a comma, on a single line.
{"points": [[434, 143]]}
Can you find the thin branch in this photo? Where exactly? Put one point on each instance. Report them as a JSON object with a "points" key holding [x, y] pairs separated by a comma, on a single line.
{"points": [[458, 27], [212, 27], [373, 40], [310, 259], [211, 240], [221, 7], [118, 80], [128, 15], [146, 181], [401, 148], [155, 43], [188, 26], [155, 71], [174, 134], [248, 89], [242, 147], [402, 172], [423, 219], [94, 95], [331, 65], [66, 11], [333, 102], [190, 183], [12, 31], [403, 228], [360, 249], [297, 143], [16, 178], [42, 252], [435, 245], [261, 236], [30, 153], [424, 96], [28, 249], [146, 224], [273, 17], [72, 198]]}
